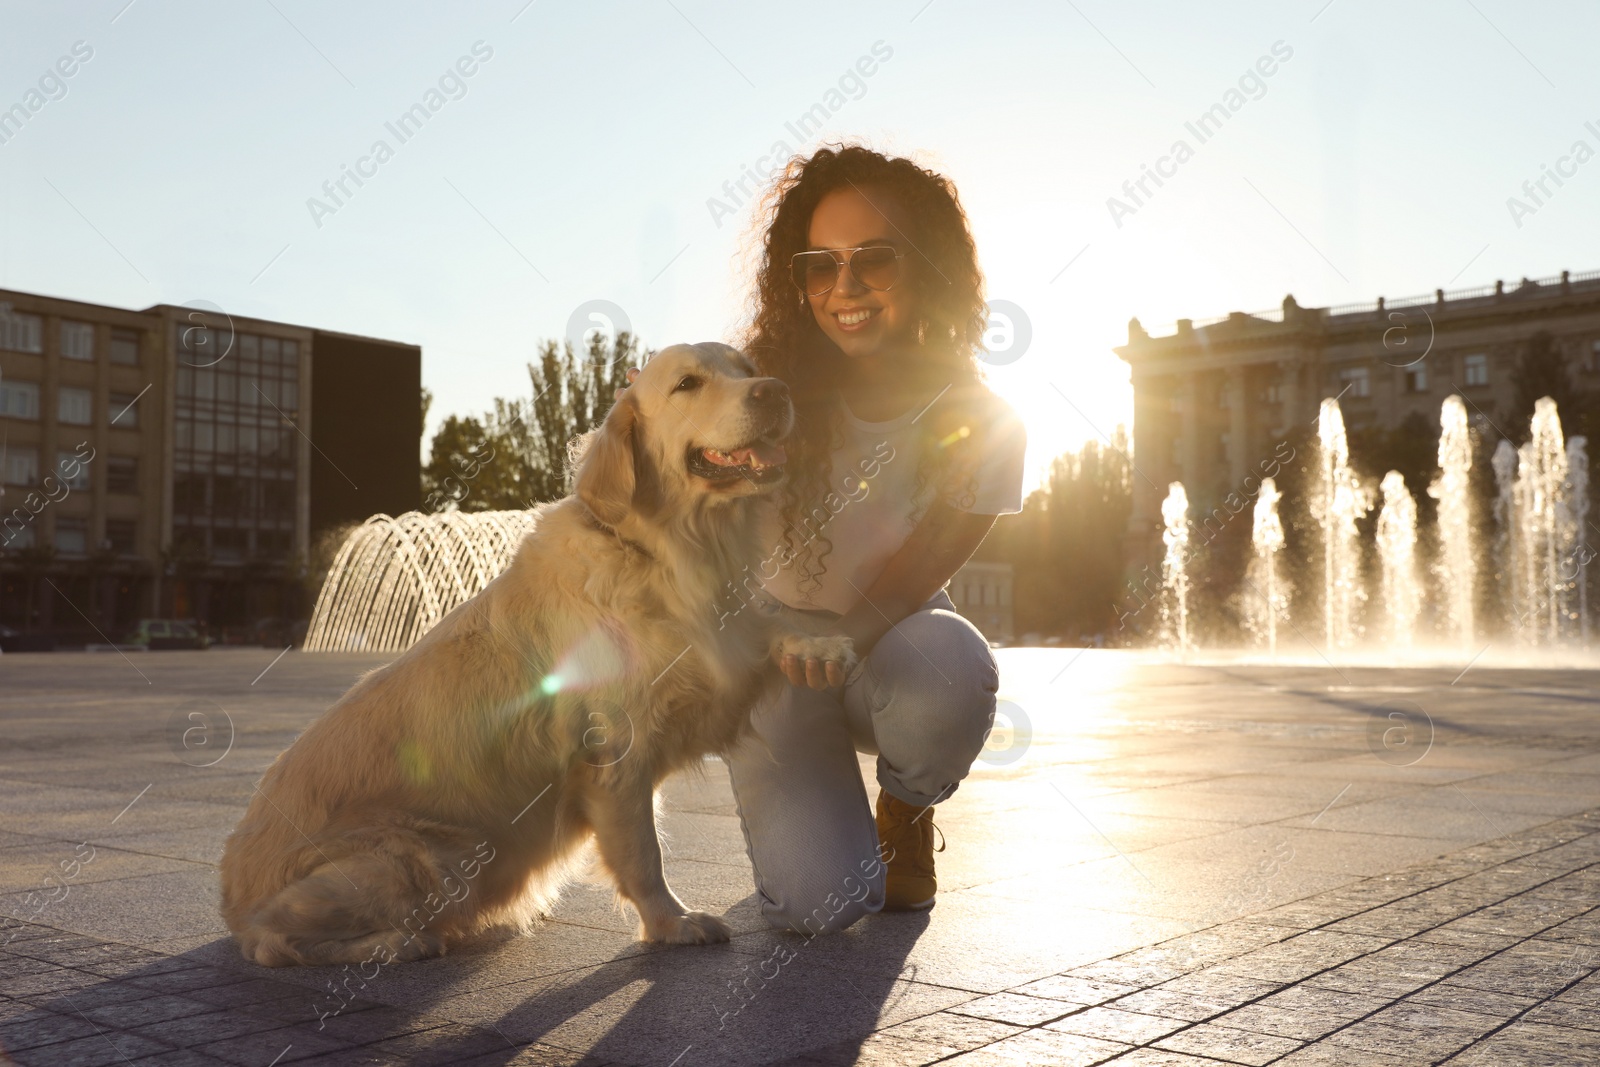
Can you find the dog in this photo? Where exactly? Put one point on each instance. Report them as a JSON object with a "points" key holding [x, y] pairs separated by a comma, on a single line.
{"points": [[451, 790]]}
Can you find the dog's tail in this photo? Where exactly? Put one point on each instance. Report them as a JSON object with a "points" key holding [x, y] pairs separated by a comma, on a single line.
{"points": [[381, 895]]}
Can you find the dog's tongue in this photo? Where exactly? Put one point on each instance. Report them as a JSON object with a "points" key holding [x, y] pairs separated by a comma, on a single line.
{"points": [[768, 455], [760, 454]]}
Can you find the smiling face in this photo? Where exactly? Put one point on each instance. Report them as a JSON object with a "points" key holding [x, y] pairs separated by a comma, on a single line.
{"points": [[864, 323], [695, 425], [710, 413]]}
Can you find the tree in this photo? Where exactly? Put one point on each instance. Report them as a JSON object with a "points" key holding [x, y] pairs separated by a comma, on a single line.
{"points": [[1412, 448], [515, 455], [1066, 546], [1542, 371]]}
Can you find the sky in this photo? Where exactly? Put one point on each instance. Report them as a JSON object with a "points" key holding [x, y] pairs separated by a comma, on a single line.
{"points": [[593, 154]]}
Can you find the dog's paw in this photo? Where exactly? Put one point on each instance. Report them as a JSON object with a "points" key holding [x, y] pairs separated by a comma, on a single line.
{"points": [[828, 648], [690, 928], [815, 661]]}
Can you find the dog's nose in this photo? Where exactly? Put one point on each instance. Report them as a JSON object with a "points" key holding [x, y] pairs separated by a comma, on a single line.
{"points": [[769, 393]]}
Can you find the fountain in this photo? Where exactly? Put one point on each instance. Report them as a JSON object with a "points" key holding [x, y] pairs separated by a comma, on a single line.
{"points": [[1341, 500], [1456, 567], [1174, 570], [395, 578], [1576, 516], [1505, 523], [1542, 481], [1531, 604], [1266, 602], [1397, 544]]}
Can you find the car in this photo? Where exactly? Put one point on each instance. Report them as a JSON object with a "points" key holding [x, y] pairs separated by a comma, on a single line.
{"points": [[14, 640], [163, 634]]}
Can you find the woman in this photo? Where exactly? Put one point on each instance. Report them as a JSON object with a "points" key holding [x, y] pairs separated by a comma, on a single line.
{"points": [[870, 306]]}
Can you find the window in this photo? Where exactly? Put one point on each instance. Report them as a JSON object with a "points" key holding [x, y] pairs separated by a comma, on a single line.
{"points": [[226, 496], [20, 400], [16, 534], [277, 444], [125, 347], [77, 340], [1594, 355], [1417, 379], [123, 411], [277, 499], [75, 406], [225, 424], [189, 493], [272, 542], [123, 534], [22, 466], [72, 470], [199, 346], [122, 474], [21, 333], [229, 544], [1273, 394], [72, 536], [1355, 382], [1476, 369]]}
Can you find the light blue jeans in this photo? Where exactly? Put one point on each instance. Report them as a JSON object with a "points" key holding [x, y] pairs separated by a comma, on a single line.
{"points": [[922, 701]]}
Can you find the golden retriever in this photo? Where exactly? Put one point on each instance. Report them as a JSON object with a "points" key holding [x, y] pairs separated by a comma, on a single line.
{"points": [[449, 791]]}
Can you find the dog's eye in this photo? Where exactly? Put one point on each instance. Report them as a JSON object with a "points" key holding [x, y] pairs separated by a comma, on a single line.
{"points": [[687, 383]]}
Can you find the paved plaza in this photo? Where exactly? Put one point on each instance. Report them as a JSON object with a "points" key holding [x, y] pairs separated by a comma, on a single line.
{"points": [[1154, 864]]}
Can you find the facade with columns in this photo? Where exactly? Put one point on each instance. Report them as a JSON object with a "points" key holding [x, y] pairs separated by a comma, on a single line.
{"points": [[1220, 404]]}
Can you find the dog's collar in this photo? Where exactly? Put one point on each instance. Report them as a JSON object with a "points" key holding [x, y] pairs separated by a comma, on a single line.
{"points": [[594, 520]]}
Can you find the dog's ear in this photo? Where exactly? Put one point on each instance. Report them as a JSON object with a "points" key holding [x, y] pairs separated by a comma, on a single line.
{"points": [[633, 372], [606, 476]]}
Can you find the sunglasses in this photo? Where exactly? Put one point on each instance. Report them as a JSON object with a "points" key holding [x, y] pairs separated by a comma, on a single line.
{"points": [[877, 267]]}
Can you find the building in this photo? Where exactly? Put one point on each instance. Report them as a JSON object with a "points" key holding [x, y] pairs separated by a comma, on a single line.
{"points": [[1216, 402], [981, 592], [179, 462]]}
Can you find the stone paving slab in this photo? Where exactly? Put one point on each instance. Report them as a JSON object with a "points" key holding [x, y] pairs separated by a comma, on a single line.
{"points": [[1176, 864]]}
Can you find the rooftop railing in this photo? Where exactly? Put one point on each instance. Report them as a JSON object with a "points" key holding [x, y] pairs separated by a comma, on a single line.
{"points": [[1566, 280]]}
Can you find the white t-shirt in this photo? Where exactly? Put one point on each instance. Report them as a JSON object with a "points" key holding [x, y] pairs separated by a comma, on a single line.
{"points": [[870, 511]]}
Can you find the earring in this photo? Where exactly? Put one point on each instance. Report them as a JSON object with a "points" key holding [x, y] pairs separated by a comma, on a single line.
{"points": [[922, 331]]}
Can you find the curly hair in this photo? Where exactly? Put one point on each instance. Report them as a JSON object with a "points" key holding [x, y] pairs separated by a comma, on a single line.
{"points": [[785, 341]]}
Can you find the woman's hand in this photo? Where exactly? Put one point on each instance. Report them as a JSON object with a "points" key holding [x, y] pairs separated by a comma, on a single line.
{"points": [[811, 672], [815, 662]]}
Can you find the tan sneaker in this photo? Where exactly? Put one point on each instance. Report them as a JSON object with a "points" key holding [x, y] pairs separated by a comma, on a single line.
{"points": [[905, 841]]}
